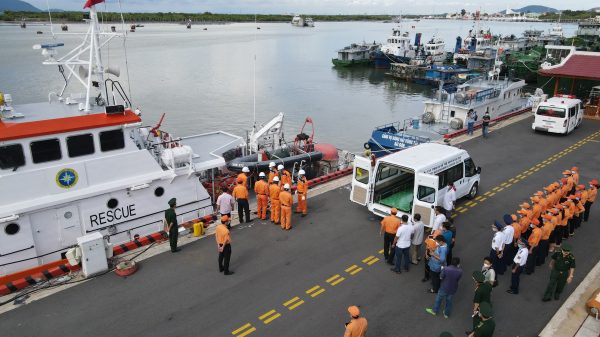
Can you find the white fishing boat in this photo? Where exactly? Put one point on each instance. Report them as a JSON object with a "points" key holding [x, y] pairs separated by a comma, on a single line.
{"points": [[302, 21], [83, 162], [478, 39], [434, 50], [398, 49], [557, 30]]}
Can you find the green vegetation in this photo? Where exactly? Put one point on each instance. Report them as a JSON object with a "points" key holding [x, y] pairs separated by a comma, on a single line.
{"points": [[569, 15], [181, 17]]}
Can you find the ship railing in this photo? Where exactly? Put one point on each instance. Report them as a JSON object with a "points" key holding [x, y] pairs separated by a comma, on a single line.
{"points": [[391, 127]]}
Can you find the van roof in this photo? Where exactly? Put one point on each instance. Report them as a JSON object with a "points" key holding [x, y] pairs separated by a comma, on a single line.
{"points": [[423, 154], [561, 101]]}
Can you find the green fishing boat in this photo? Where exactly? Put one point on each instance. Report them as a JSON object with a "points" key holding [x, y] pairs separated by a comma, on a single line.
{"points": [[356, 54], [526, 63]]}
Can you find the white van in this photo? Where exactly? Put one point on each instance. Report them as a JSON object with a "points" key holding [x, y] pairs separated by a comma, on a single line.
{"points": [[559, 114], [414, 180]]}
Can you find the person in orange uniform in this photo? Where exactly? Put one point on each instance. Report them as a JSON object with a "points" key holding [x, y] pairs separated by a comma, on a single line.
{"points": [[564, 188], [262, 196], [284, 177], [575, 174], [301, 190], [272, 172], [571, 201], [591, 196], [516, 235], [583, 194], [534, 241], [549, 195], [240, 193], [357, 327], [553, 212], [224, 245], [559, 229], [286, 200], [275, 204], [526, 216], [545, 240], [570, 181], [389, 227], [536, 209], [579, 209], [243, 177], [567, 215], [543, 202]]}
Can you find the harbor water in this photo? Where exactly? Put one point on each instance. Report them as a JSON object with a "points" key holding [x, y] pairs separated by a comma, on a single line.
{"points": [[203, 80]]}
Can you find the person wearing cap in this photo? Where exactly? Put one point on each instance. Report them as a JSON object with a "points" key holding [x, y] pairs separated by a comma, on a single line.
{"points": [[486, 325], [262, 196], [449, 199], [575, 174], [357, 327], [404, 236], [483, 295], [549, 195], [561, 224], [286, 200], [578, 210], [591, 196], [564, 189], [526, 216], [430, 247], [547, 228], [225, 202], [536, 209], [543, 202], [554, 220], [519, 263], [450, 277], [240, 193], [569, 212], [583, 194], [243, 177], [302, 189], [284, 176], [272, 172], [389, 227], [534, 241], [516, 235], [274, 190], [417, 240], [509, 241], [497, 247], [172, 226], [563, 267], [570, 182], [224, 245], [436, 260]]}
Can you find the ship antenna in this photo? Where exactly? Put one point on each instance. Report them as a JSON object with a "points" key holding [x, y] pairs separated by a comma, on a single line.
{"points": [[50, 16], [255, 28]]}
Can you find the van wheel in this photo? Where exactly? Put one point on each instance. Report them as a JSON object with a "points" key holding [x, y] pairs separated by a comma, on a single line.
{"points": [[473, 192]]}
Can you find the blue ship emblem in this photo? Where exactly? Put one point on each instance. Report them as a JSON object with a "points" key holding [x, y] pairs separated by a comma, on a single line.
{"points": [[66, 178]]}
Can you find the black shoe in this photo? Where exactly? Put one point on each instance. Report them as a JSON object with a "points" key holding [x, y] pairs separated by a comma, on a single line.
{"points": [[287, 229], [220, 270], [511, 292], [229, 273], [468, 332], [303, 215], [425, 280], [297, 212], [395, 271], [241, 221], [527, 273], [556, 297], [389, 262], [249, 220], [546, 299], [176, 250]]}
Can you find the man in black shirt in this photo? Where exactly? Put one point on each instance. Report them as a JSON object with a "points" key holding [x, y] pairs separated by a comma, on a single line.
{"points": [[485, 125]]}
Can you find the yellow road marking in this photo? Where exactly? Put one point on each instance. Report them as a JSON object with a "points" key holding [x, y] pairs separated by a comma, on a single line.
{"points": [[312, 289], [349, 269], [491, 195], [464, 210], [372, 261], [333, 278], [531, 169], [291, 301], [468, 203], [486, 193], [482, 199], [496, 188], [509, 185], [381, 251], [537, 169], [516, 181], [453, 215], [458, 209], [543, 166], [317, 293], [474, 205], [368, 258], [355, 271], [338, 281], [478, 198], [511, 180], [525, 172], [529, 173], [295, 305], [500, 190], [503, 184], [247, 332], [272, 318], [538, 165], [595, 141], [240, 329], [558, 157], [267, 314]]}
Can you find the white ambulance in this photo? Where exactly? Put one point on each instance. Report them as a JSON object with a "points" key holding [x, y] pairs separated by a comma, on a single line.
{"points": [[559, 114], [414, 180]]}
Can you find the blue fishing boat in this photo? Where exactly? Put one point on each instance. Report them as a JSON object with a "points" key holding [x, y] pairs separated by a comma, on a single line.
{"points": [[393, 137], [448, 74]]}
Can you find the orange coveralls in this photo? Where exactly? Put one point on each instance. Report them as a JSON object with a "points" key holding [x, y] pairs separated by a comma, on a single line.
{"points": [[286, 200], [356, 328], [243, 177], [285, 178], [275, 204], [302, 189], [273, 174], [262, 198]]}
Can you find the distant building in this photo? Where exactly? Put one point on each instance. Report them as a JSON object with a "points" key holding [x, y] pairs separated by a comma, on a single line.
{"points": [[533, 15]]}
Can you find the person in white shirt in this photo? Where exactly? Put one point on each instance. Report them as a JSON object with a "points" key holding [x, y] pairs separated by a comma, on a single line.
{"points": [[402, 242], [417, 240], [509, 233], [488, 271], [519, 262], [497, 246], [439, 219], [449, 199], [225, 203]]}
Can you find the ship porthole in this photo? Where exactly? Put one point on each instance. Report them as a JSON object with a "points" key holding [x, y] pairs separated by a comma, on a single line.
{"points": [[112, 203], [159, 191], [68, 215], [12, 229]]}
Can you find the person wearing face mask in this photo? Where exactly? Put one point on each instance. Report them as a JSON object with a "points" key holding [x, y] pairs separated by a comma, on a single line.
{"points": [[564, 189], [518, 264], [549, 195], [449, 200], [570, 181], [497, 246], [575, 174], [485, 124], [553, 212], [536, 209], [583, 195], [517, 234], [591, 196], [436, 261], [563, 267], [560, 228], [545, 240], [486, 325], [579, 209], [483, 296], [526, 216], [570, 207], [534, 241], [488, 271]]}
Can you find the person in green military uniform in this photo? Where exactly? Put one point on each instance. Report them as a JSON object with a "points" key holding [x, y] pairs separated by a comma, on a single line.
{"points": [[483, 294], [564, 267], [172, 226], [486, 326]]}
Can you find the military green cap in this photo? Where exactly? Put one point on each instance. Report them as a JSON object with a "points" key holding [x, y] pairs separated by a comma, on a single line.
{"points": [[567, 247], [446, 334], [478, 276], [172, 202], [486, 310]]}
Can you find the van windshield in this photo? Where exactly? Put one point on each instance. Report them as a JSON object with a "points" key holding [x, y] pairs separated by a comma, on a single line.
{"points": [[551, 112]]}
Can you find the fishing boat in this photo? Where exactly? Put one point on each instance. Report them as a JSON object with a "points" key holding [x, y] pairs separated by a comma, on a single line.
{"points": [[84, 163], [356, 54], [525, 63], [64, 27], [302, 21], [477, 39], [557, 30], [22, 23], [433, 76], [434, 50], [399, 48]]}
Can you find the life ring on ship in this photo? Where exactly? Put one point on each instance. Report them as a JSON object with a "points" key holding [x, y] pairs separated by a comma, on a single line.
{"points": [[367, 146]]}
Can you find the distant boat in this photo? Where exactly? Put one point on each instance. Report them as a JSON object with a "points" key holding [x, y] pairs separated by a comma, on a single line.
{"points": [[356, 54], [64, 27], [138, 25], [301, 21]]}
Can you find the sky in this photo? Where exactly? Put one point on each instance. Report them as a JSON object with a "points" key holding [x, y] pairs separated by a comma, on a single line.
{"points": [[310, 6]]}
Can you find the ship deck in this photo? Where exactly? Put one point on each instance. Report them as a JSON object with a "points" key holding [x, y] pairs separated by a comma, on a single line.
{"points": [[209, 148], [184, 294]]}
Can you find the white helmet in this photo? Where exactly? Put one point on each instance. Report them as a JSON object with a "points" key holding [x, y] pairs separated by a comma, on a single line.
{"points": [[245, 170], [286, 186], [276, 179], [262, 175], [280, 167], [271, 164], [301, 172]]}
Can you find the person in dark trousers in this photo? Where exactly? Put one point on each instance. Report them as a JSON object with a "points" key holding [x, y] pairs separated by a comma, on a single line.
{"points": [[389, 227], [519, 263], [486, 326], [240, 193], [447, 233], [436, 261], [509, 233], [591, 196], [453, 230], [562, 273], [483, 294], [497, 247], [449, 276], [485, 124], [172, 226], [224, 245]]}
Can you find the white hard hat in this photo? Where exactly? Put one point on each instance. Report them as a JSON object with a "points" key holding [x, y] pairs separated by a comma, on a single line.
{"points": [[245, 169], [280, 167], [286, 186], [275, 178], [262, 174], [271, 164], [301, 172]]}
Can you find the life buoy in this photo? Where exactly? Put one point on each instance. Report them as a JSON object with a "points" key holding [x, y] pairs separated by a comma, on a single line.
{"points": [[367, 146]]}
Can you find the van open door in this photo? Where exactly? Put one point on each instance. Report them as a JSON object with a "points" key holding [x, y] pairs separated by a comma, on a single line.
{"points": [[361, 180], [426, 193]]}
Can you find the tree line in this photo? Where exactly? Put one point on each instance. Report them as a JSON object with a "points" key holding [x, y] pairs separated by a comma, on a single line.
{"points": [[569, 15]]}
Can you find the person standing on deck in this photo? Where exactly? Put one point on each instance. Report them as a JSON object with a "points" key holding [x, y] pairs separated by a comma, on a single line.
{"points": [[286, 200], [575, 175], [262, 196], [485, 124], [497, 247], [591, 196], [564, 267], [302, 190], [274, 190], [447, 234], [225, 203], [172, 226], [272, 172], [284, 177], [470, 121], [570, 181], [357, 327], [536, 209], [243, 177], [449, 200], [224, 245], [450, 277], [516, 235], [488, 271], [417, 240], [389, 227], [240, 193], [578, 211], [543, 202], [545, 240]]}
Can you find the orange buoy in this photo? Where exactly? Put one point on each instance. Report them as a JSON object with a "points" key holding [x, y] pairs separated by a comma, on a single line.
{"points": [[126, 268]]}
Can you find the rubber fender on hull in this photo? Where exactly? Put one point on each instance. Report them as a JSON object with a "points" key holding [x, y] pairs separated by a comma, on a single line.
{"points": [[256, 166]]}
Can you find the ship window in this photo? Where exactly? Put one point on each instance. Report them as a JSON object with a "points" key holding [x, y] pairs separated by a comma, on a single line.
{"points": [[45, 150], [11, 156], [12, 229], [111, 140], [80, 145]]}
